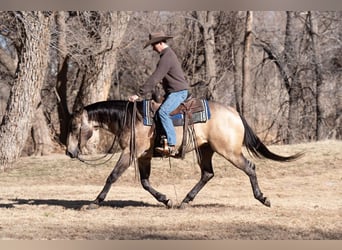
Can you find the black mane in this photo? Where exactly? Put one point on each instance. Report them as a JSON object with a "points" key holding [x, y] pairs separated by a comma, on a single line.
{"points": [[114, 112]]}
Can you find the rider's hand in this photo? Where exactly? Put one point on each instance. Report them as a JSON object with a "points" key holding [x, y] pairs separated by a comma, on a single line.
{"points": [[133, 98]]}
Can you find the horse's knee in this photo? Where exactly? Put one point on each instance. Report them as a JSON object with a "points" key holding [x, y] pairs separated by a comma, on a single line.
{"points": [[206, 176], [145, 183], [249, 168]]}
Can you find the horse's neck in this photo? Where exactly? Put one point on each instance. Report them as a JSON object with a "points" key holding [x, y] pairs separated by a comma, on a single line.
{"points": [[119, 112]]}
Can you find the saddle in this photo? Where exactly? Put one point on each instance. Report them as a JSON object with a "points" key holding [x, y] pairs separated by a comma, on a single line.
{"points": [[191, 111]]}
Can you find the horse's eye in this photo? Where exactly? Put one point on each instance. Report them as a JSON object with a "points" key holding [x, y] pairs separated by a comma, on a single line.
{"points": [[74, 127]]}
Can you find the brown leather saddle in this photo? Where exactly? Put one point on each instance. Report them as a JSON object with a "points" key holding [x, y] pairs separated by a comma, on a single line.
{"points": [[191, 111]]}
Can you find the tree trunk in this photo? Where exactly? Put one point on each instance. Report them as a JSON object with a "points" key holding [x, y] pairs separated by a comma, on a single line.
{"points": [[43, 144], [98, 76], [41, 134], [295, 88], [313, 32], [247, 89], [24, 98], [62, 79], [207, 22], [236, 54], [99, 71]]}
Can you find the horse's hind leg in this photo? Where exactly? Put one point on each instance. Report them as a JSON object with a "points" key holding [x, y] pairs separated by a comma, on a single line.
{"points": [[145, 170], [207, 173], [249, 168]]}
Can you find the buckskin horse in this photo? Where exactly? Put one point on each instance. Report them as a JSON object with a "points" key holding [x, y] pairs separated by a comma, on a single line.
{"points": [[225, 133]]}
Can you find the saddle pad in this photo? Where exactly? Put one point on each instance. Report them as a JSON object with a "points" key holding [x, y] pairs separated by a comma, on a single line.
{"points": [[178, 119]]}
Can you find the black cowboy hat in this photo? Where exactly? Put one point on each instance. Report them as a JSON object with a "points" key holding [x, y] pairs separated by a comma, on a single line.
{"points": [[156, 37]]}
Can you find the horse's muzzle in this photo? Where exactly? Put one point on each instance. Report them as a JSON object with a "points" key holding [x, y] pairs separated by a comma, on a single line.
{"points": [[72, 154]]}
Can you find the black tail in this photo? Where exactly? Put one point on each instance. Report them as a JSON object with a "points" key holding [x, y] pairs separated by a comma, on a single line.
{"points": [[256, 148]]}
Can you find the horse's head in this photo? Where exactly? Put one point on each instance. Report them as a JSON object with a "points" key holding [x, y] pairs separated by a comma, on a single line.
{"points": [[80, 131]]}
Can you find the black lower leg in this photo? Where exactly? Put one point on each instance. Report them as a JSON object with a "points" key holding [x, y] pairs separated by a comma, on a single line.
{"points": [[159, 196], [207, 173], [250, 171], [145, 171], [119, 168], [206, 176]]}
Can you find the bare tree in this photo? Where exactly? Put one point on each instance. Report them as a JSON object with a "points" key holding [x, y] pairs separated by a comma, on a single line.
{"points": [[318, 76], [25, 92], [62, 60], [292, 63], [246, 82], [291, 83], [104, 33], [291, 54], [41, 138], [206, 20], [101, 34]]}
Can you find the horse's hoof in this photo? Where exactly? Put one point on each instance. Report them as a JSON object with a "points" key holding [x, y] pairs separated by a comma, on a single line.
{"points": [[183, 205], [93, 206], [169, 204], [267, 202]]}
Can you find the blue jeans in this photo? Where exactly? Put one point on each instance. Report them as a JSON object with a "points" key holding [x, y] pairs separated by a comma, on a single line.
{"points": [[171, 102]]}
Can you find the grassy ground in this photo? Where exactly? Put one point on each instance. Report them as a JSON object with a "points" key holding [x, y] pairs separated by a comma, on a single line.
{"points": [[45, 197]]}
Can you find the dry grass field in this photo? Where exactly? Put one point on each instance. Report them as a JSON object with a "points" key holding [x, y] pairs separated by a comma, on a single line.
{"points": [[45, 197]]}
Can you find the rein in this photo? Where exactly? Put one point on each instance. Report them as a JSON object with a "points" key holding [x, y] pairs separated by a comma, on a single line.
{"points": [[90, 161], [133, 148]]}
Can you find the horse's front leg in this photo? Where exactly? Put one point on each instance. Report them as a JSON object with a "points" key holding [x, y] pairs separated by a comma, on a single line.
{"points": [[207, 173], [145, 170], [120, 167]]}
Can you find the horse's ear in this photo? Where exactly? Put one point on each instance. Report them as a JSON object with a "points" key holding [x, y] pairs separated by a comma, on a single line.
{"points": [[77, 111], [84, 114]]}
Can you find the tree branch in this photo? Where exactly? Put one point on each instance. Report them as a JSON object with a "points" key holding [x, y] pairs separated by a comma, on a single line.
{"points": [[275, 58]]}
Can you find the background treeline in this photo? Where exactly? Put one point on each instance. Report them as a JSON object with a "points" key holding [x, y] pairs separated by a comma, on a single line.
{"points": [[281, 70]]}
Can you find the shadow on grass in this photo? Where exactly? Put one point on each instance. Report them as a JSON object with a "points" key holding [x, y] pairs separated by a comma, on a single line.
{"points": [[83, 204], [75, 204]]}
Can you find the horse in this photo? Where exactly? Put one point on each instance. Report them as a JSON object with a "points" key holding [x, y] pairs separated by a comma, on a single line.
{"points": [[225, 133]]}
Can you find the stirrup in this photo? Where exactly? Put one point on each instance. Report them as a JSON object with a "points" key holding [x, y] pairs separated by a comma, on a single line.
{"points": [[167, 151]]}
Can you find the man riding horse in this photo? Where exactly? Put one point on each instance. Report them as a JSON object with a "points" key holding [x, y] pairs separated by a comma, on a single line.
{"points": [[170, 73], [225, 133]]}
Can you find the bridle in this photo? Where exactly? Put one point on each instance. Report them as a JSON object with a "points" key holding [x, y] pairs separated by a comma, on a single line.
{"points": [[93, 162], [133, 154]]}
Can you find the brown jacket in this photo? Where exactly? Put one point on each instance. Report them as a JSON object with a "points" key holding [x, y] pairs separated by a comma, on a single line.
{"points": [[169, 72]]}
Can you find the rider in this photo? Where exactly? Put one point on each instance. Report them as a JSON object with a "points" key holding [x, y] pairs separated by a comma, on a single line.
{"points": [[169, 72]]}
